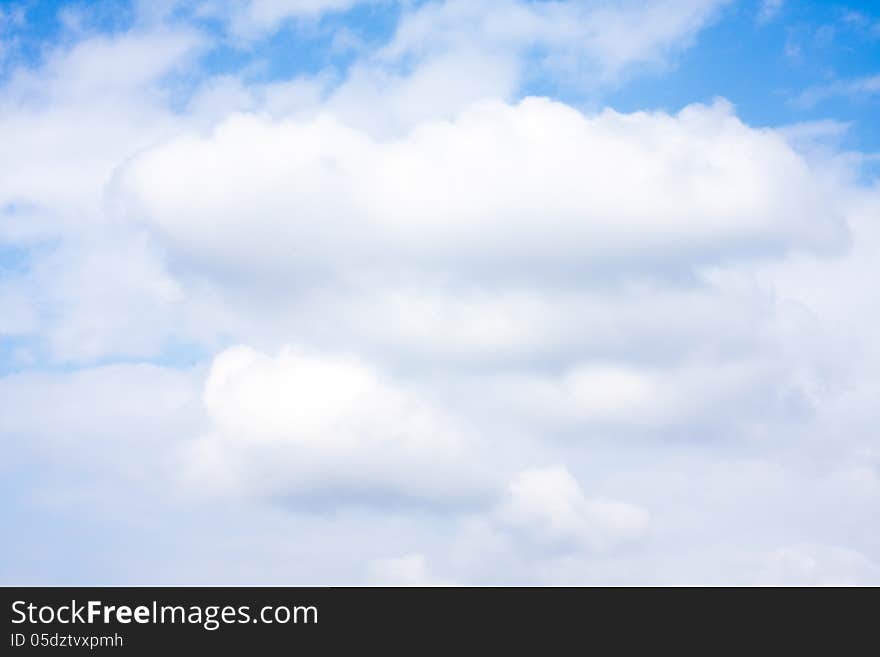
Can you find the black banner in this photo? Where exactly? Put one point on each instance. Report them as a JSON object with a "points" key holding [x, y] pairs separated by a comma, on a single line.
{"points": [[195, 620]]}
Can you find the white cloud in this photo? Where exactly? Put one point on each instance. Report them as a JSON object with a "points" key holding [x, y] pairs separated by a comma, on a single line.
{"points": [[67, 125], [769, 10], [117, 420], [816, 565], [607, 395], [671, 306], [547, 506], [858, 87], [253, 19], [593, 42], [534, 184], [593, 39], [19, 316], [409, 570], [311, 426], [107, 297]]}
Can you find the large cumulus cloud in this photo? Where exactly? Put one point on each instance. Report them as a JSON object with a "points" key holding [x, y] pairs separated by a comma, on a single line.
{"points": [[501, 186]]}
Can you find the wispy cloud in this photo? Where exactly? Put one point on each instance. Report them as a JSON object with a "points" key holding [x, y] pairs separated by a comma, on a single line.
{"points": [[769, 11], [855, 88]]}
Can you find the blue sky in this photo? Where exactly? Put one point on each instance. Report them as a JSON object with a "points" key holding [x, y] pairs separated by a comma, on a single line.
{"points": [[762, 62], [496, 291]]}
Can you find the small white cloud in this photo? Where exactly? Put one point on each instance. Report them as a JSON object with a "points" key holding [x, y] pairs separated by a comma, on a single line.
{"points": [[818, 565], [590, 42], [769, 10], [254, 19], [858, 87], [68, 124], [409, 570], [316, 428], [547, 507]]}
